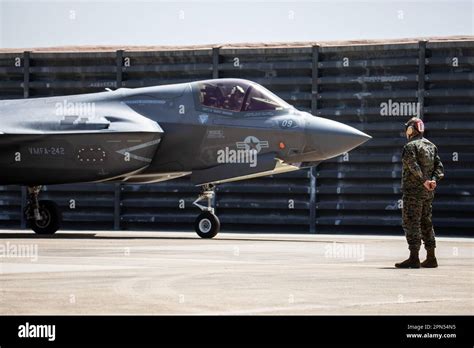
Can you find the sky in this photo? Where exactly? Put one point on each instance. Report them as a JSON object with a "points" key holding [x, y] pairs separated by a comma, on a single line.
{"points": [[26, 23]]}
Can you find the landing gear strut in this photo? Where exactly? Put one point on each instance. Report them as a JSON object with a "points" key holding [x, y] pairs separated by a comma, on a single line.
{"points": [[207, 225], [43, 217]]}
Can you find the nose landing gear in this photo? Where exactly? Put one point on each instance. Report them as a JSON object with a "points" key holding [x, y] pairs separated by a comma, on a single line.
{"points": [[43, 217], [207, 224]]}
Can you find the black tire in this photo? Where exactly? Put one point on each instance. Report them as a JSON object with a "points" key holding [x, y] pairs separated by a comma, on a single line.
{"points": [[51, 218], [207, 225]]}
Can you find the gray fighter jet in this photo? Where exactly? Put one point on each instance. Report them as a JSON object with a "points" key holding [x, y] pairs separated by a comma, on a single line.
{"points": [[215, 131]]}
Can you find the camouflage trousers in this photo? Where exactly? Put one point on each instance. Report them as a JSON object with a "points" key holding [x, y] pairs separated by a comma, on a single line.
{"points": [[416, 220]]}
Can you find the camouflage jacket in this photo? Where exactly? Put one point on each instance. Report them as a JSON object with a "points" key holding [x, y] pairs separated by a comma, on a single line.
{"points": [[420, 162]]}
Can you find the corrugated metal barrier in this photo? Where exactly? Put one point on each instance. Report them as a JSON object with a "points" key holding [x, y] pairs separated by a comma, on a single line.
{"points": [[362, 86]]}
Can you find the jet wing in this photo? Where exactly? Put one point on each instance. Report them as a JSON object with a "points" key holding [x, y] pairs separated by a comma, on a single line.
{"points": [[267, 164], [55, 115]]}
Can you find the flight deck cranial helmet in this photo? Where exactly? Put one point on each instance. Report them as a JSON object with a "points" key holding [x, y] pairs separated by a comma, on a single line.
{"points": [[236, 90], [414, 126]]}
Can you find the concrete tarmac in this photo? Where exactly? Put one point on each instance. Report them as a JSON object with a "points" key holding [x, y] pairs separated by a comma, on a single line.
{"points": [[92, 272]]}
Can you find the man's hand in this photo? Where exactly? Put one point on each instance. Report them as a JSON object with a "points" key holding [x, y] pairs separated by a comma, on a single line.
{"points": [[430, 185]]}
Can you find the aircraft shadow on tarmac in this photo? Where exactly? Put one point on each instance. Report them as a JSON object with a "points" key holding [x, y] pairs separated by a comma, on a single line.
{"points": [[157, 237], [80, 236]]}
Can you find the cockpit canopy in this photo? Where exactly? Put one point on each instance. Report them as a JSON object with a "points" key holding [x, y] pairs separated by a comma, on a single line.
{"points": [[238, 96]]}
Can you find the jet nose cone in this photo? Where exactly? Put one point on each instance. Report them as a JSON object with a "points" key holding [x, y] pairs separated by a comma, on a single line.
{"points": [[327, 138]]}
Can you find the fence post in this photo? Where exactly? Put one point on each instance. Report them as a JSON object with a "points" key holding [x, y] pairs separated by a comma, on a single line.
{"points": [[117, 201], [118, 186], [215, 62], [26, 74], [119, 65], [22, 207], [26, 94], [421, 77], [314, 82], [314, 108], [312, 200]]}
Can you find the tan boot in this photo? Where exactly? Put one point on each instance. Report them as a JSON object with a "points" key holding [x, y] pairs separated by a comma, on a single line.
{"points": [[430, 261], [412, 262]]}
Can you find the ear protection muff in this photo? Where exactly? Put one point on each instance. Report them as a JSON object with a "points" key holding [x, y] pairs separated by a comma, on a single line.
{"points": [[418, 125]]}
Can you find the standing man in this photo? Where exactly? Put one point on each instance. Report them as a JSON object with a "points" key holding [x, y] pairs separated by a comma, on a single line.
{"points": [[422, 169]]}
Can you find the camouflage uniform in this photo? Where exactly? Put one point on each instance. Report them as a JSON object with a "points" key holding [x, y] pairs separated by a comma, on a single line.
{"points": [[421, 162]]}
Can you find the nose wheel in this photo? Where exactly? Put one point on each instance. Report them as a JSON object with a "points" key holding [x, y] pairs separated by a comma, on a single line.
{"points": [[43, 217], [207, 224]]}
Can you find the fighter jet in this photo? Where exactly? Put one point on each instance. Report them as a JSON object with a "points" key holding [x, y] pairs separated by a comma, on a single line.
{"points": [[214, 131]]}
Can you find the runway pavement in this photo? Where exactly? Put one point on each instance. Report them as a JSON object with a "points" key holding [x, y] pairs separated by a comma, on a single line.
{"points": [[91, 272]]}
